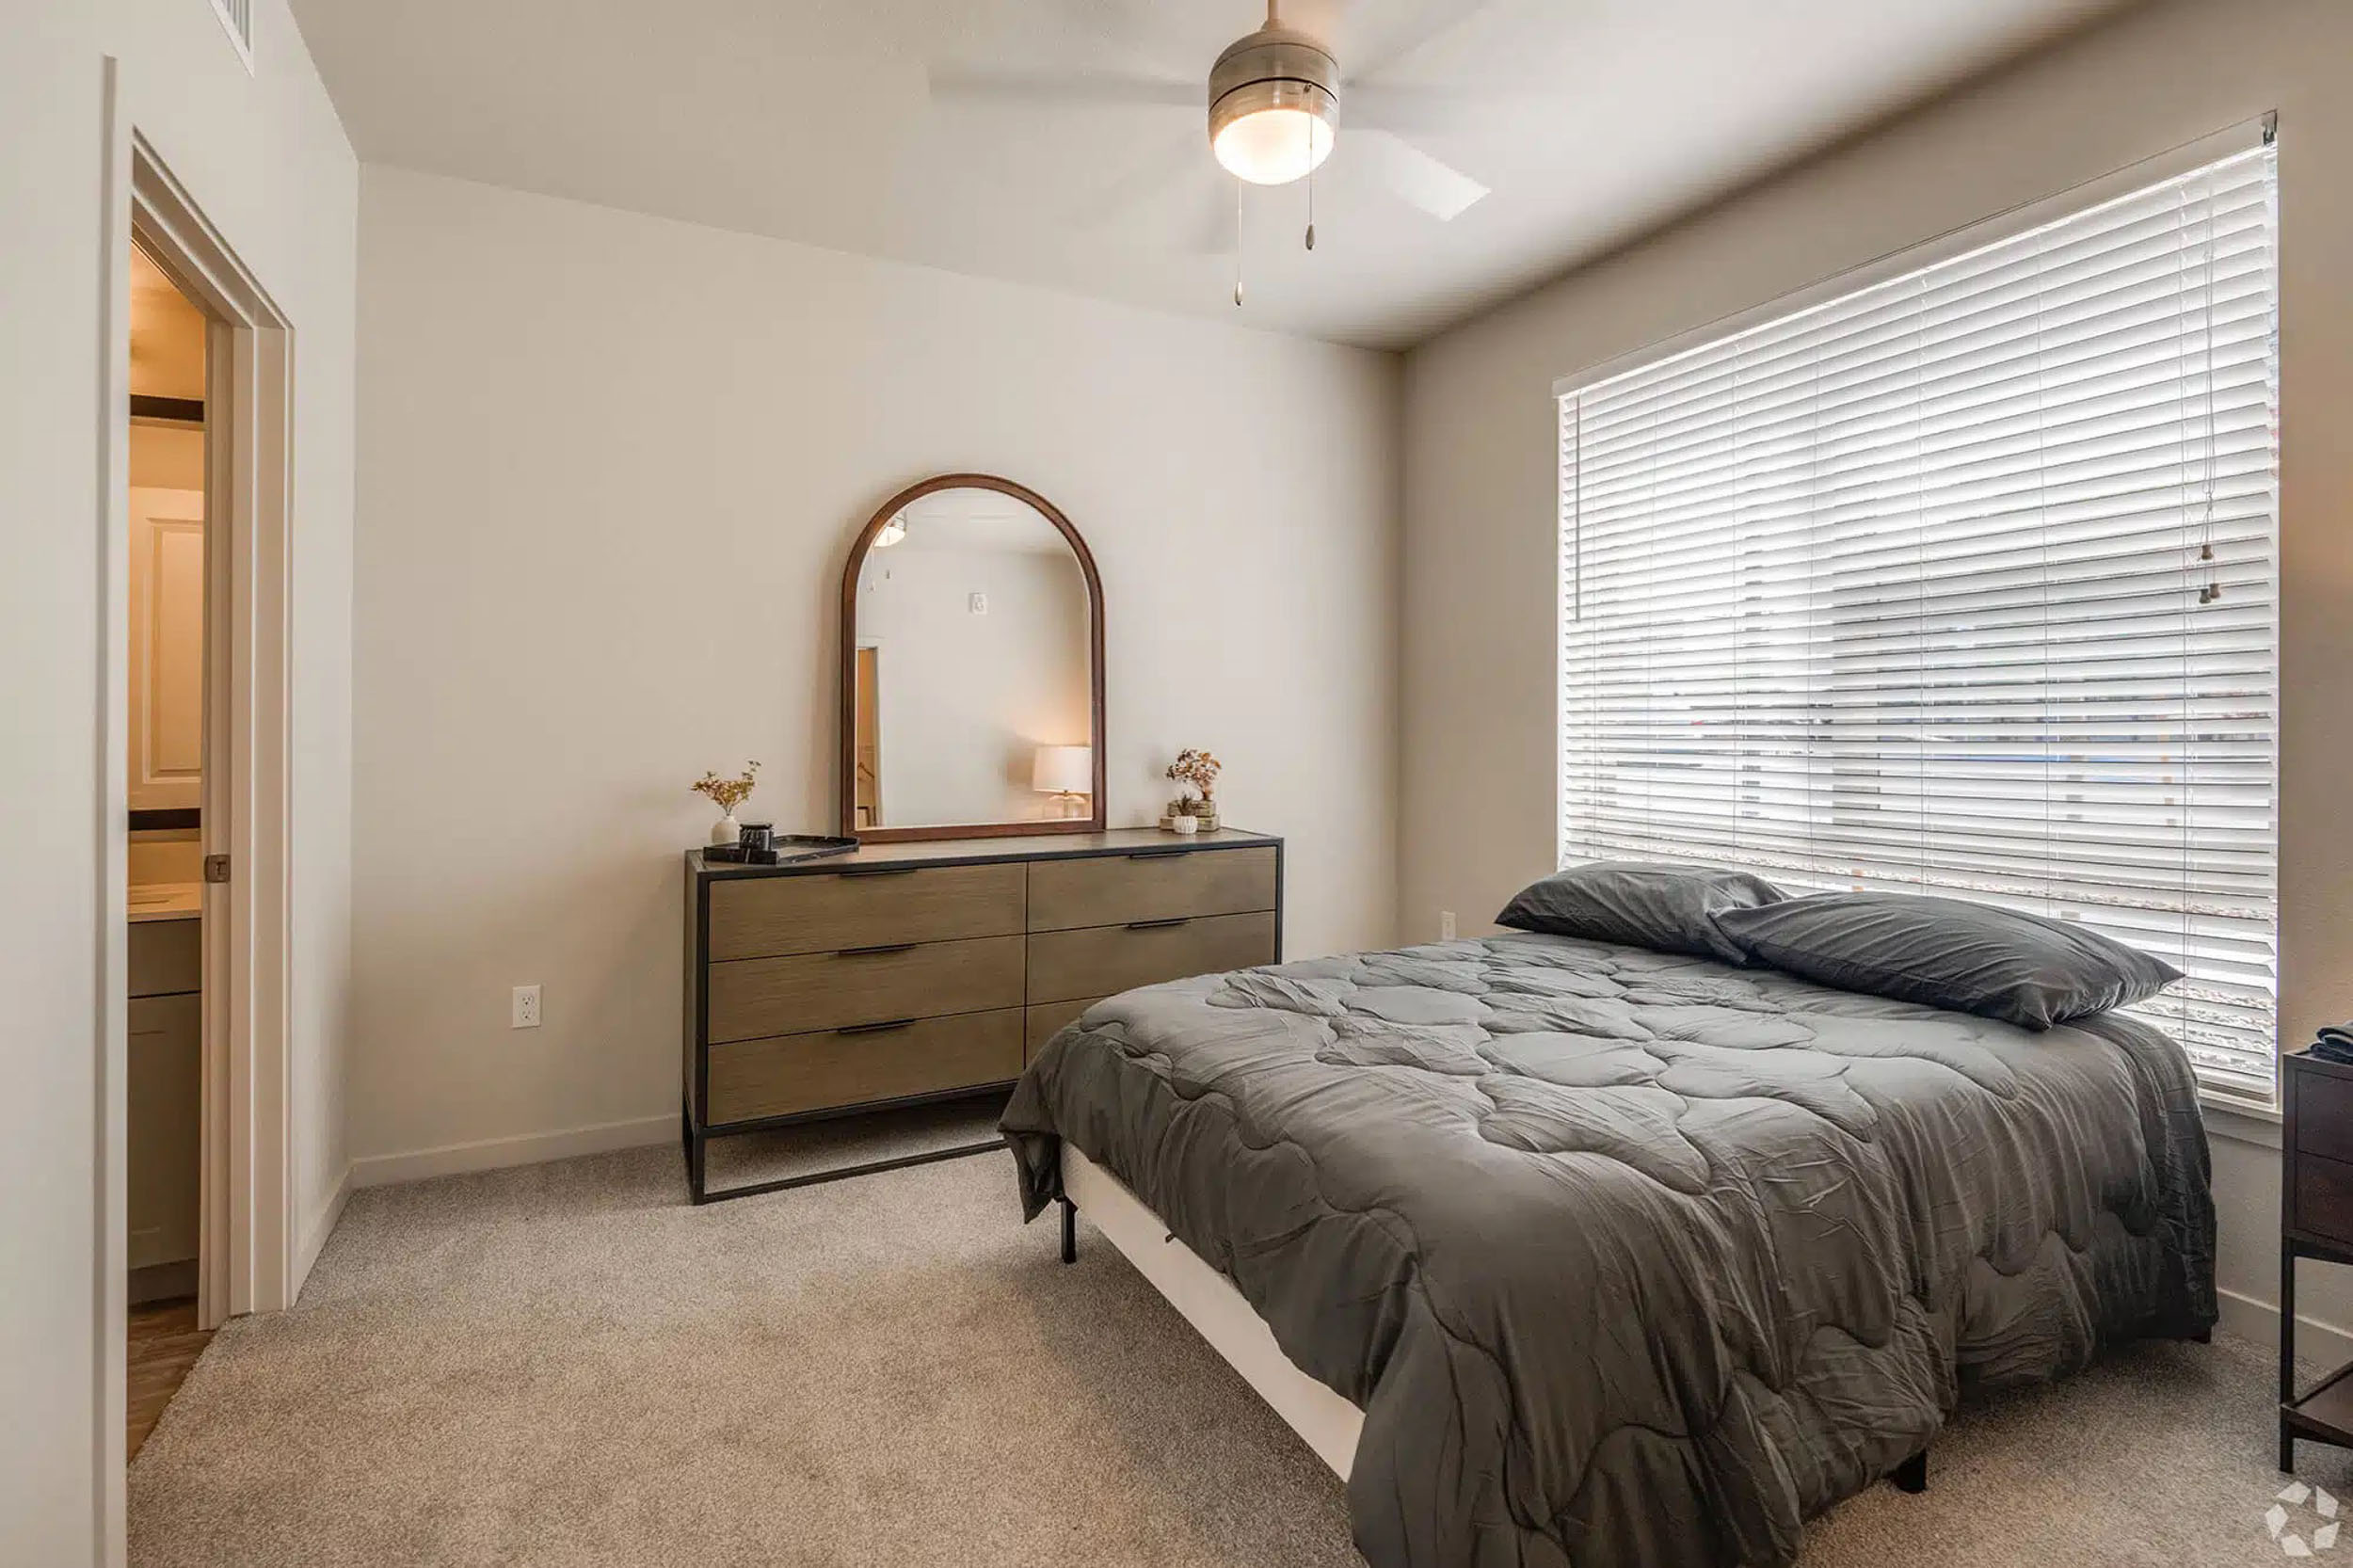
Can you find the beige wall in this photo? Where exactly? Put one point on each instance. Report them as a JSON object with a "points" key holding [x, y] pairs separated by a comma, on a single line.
{"points": [[610, 469], [266, 158], [51, 1305], [1477, 782]]}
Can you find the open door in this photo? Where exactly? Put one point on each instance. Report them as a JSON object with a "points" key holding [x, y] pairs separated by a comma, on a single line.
{"points": [[868, 749]]}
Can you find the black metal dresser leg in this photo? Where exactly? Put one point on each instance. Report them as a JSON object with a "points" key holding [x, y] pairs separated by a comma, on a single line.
{"points": [[2287, 1342], [1913, 1474], [1069, 1231]]}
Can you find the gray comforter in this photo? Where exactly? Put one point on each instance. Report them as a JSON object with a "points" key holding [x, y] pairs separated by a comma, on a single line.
{"points": [[1632, 1258]]}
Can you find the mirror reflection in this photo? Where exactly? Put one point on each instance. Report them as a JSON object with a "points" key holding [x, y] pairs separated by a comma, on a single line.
{"points": [[974, 677]]}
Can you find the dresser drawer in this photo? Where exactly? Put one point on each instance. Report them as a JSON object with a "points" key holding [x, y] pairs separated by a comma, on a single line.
{"points": [[2324, 1198], [166, 957], [1153, 885], [1043, 1023], [756, 996], [761, 917], [794, 1073], [1109, 959]]}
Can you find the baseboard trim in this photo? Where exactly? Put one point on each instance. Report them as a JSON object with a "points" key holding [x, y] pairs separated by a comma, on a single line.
{"points": [[2259, 1320], [314, 1238], [492, 1154]]}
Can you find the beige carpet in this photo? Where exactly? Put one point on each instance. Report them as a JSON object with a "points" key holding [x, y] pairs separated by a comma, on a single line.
{"points": [[566, 1365]]}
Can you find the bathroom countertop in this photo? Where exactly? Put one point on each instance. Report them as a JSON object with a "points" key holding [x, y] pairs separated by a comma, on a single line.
{"points": [[166, 900]]}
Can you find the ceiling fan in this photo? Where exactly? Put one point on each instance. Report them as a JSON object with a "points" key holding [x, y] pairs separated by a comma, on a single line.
{"points": [[1274, 100]]}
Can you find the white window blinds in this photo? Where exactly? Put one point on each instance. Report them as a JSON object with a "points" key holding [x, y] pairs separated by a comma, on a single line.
{"points": [[1962, 582]]}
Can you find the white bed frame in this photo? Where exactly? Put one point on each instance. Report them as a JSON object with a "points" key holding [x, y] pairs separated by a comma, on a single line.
{"points": [[1207, 1300]]}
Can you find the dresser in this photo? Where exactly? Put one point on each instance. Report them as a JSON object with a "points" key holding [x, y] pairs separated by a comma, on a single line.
{"points": [[905, 973], [2316, 1222]]}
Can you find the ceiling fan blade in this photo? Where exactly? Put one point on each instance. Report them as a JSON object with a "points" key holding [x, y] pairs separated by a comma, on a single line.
{"points": [[1150, 179], [1412, 109], [1122, 22], [1433, 21], [1321, 20], [1411, 173], [1180, 197], [1064, 86]]}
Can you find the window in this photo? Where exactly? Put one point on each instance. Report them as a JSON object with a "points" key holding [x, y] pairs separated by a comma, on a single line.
{"points": [[1962, 582]]}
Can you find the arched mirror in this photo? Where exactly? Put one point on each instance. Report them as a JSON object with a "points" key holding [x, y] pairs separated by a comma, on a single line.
{"points": [[971, 667]]}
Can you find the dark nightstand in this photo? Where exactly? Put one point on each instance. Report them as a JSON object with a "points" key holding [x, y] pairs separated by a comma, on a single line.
{"points": [[2315, 1221]]}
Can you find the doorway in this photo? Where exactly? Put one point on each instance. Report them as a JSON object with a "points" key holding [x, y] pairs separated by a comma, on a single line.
{"points": [[167, 717], [866, 748], [195, 584]]}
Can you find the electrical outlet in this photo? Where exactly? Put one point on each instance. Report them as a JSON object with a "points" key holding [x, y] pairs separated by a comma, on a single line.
{"points": [[526, 1007], [1445, 926], [978, 604]]}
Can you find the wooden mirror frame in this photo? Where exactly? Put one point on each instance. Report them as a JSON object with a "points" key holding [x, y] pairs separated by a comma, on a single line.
{"points": [[847, 774]]}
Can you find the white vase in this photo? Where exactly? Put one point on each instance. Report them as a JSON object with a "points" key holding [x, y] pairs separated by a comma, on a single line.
{"points": [[726, 830]]}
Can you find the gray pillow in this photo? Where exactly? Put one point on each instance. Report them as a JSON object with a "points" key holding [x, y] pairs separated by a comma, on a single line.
{"points": [[1666, 907], [1950, 952]]}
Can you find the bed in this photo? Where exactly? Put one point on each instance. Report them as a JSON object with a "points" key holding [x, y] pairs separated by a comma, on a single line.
{"points": [[1564, 1251]]}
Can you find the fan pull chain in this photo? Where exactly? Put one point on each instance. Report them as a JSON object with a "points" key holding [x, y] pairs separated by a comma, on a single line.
{"points": [[1311, 182], [1238, 244]]}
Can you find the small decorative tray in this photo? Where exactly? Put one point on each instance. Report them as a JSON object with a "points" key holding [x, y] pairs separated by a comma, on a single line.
{"points": [[784, 849]]}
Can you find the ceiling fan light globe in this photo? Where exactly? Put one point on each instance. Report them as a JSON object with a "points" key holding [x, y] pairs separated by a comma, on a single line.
{"points": [[1275, 145], [1274, 104]]}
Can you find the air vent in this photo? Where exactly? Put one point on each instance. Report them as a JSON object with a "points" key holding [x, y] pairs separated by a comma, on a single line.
{"points": [[237, 17]]}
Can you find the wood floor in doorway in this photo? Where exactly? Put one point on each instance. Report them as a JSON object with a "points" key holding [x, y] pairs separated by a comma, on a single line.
{"points": [[165, 1343]]}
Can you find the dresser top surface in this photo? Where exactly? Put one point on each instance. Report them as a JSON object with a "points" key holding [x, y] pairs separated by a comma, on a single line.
{"points": [[956, 851], [2301, 1060]]}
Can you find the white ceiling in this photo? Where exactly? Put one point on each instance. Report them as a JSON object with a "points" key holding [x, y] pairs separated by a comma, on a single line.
{"points": [[840, 123], [982, 521]]}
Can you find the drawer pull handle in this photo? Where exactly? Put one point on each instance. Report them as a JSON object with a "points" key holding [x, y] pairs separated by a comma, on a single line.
{"points": [[883, 1027], [1155, 854], [880, 870], [876, 951], [1159, 925]]}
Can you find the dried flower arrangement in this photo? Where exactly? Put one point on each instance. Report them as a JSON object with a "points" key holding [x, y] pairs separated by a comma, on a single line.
{"points": [[1199, 769], [727, 794]]}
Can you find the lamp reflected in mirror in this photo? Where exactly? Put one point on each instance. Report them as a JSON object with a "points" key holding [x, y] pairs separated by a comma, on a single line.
{"points": [[1066, 773]]}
